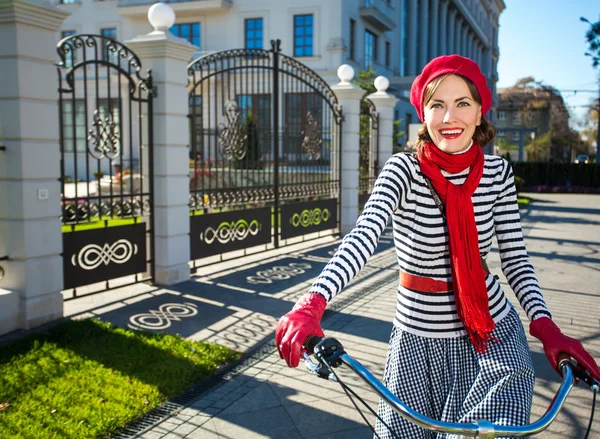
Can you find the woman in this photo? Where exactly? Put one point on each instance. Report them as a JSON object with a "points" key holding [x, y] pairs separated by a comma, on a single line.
{"points": [[457, 351]]}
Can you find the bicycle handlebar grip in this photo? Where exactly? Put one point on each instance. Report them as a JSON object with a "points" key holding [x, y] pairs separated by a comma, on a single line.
{"points": [[311, 342]]}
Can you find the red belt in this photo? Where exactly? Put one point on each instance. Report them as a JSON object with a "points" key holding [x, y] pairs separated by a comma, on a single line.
{"points": [[424, 284]]}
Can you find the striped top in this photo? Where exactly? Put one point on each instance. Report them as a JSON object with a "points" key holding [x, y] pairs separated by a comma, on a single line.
{"points": [[421, 240]]}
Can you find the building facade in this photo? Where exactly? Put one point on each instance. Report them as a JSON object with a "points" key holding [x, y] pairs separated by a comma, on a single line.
{"points": [[396, 38]]}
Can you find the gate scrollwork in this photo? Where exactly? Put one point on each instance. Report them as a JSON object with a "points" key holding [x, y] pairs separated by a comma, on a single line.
{"points": [[232, 137]]}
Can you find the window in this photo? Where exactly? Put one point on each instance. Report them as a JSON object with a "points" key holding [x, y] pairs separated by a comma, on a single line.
{"points": [[352, 40], [501, 133], [257, 108], [108, 54], [253, 31], [188, 31], [501, 115], [300, 108], [370, 48], [388, 53], [515, 136], [70, 58], [303, 35], [516, 118]]}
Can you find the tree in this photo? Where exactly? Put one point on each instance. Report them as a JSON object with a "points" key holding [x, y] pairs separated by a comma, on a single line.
{"points": [[589, 132], [533, 97], [592, 36]]}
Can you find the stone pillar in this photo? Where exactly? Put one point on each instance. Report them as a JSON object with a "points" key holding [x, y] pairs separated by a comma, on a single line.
{"points": [[412, 39], [451, 31], [434, 29], [31, 278], [443, 49], [168, 57], [349, 96], [385, 104]]}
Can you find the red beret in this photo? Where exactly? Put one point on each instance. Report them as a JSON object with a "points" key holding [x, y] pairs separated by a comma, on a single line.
{"points": [[453, 64]]}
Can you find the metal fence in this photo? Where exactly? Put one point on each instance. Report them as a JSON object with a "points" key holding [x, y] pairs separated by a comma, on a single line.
{"points": [[106, 144], [265, 145]]}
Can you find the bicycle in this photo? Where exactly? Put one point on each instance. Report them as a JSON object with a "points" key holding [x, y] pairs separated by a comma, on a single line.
{"points": [[331, 354]]}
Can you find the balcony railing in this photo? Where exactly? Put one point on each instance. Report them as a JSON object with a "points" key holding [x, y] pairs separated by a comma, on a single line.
{"points": [[199, 5], [378, 13]]}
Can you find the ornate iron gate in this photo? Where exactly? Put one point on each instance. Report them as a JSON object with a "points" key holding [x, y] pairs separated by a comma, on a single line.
{"points": [[106, 147], [369, 149], [265, 144]]}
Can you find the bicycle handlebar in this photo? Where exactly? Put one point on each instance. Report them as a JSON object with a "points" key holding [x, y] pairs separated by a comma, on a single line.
{"points": [[330, 352]]}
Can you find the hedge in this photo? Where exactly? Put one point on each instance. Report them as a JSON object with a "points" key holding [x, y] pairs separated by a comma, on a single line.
{"points": [[558, 177]]}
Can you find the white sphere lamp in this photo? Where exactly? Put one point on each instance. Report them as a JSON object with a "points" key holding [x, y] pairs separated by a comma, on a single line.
{"points": [[381, 84], [161, 16], [345, 73]]}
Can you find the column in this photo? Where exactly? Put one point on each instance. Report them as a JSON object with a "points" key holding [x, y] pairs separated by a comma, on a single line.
{"points": [[31, 279], [385, 104], [470, 44], [434, 30], [488, 62], [443, 28], [168, 57], [464, 39], [424, 33], [349, 96], [412, 38], [451, 31], [458, 36]]}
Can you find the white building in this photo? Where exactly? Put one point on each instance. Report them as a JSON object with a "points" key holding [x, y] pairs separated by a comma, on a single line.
{"points": [[396, 37]]}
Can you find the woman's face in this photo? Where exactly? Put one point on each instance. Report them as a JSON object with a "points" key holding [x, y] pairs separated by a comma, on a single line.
{"points": [[452, 115]]}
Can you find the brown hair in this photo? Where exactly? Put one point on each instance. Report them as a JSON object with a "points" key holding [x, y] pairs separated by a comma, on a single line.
{"points": [[483, 134]]}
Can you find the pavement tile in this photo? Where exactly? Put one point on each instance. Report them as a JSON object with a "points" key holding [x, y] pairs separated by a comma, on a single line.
{"points": [[221, 404], [207, 431], [272, 423], [356, 433], [258, 399], [326, 416], [184, 429]]}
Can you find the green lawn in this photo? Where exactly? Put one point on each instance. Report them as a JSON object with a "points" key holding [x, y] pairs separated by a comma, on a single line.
{"points": [[97, 223], [85, 379]]}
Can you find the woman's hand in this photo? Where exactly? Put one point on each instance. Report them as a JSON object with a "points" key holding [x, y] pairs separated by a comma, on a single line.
{"points": [[296, 326], [556, 343]]}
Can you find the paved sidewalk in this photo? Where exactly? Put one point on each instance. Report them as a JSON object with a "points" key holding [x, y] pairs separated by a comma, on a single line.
{"points": [[263, 398]]}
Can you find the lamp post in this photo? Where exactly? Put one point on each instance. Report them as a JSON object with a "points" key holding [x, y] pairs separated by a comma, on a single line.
{"points": [[594, 34]]}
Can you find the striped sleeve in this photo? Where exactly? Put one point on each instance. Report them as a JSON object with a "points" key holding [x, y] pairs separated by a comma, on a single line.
{"points": [[358, 245], [516, 264]]}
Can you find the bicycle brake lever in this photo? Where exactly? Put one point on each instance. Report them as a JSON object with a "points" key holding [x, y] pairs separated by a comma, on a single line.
{"points": [[585, 376], [317, 369]]}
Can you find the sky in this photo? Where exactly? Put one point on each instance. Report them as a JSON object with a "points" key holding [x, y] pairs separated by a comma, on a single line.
{"points": [[545, 39]]}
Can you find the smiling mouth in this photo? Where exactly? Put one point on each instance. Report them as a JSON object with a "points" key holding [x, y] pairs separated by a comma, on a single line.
{"points": [[451, 133]]}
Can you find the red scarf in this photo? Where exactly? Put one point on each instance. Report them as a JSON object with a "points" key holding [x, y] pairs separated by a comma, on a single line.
{"points": [[468, 277]]}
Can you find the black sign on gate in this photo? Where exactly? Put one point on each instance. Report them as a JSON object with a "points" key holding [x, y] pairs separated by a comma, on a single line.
{"points": [[218, 233], [95, 255], [308, 217]]}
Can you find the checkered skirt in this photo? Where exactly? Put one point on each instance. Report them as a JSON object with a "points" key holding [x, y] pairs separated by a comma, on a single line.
{"points": [[446, 379]]}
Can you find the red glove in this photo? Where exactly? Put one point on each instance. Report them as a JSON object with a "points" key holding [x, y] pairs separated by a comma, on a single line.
{"points": [[556, 343], [296, 326]]}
